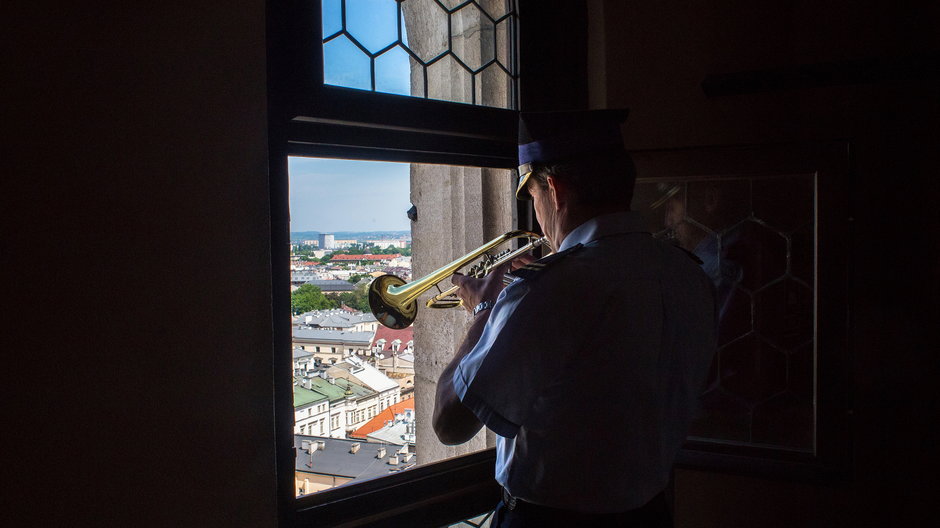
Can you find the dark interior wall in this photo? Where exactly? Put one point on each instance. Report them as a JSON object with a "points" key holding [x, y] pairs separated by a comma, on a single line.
{"points": [[136, 265], [657, 55]]}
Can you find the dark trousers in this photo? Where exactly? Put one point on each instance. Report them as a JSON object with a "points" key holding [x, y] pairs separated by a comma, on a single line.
{"points": [[654, 514]]}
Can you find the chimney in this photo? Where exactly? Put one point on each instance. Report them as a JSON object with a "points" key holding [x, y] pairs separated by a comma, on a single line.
{"points": [[393, 460], [380, 453], [354, 448], [321, 444]]}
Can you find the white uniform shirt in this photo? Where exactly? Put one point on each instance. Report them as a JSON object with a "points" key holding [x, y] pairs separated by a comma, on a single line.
{"points": [[589, 370]]}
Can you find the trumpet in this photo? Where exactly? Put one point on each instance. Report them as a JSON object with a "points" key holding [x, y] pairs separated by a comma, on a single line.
{"points": [[393, 301]]}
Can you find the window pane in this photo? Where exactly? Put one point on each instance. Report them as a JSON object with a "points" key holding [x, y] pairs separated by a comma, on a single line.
{"points": [[458, 51], [360, 410], [756, 238], [353, 397]]}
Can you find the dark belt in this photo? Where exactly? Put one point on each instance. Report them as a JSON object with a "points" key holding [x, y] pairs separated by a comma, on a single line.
{"points": [[654, 509]]}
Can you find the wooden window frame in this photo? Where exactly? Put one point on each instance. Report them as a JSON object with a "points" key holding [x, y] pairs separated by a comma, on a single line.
{"points": [[308, 118]]}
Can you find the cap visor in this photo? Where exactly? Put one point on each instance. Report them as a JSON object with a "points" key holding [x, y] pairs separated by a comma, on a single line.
{"points": [[521, 192]]}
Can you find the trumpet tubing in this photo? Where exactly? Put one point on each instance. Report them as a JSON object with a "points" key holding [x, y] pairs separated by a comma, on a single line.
{"points": [[393, 301], [448, 298]]}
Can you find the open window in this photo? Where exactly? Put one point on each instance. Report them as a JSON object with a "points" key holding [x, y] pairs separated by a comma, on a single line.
{"points": [[779, 390], [430, 85]]}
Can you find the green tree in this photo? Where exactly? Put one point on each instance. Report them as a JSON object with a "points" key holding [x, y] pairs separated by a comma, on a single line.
{"points": [[356, 277], [309, 297], [357, 299]]}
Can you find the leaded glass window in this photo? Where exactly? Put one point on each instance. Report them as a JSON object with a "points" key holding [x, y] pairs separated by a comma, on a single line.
{"points": [[756, 238], [451, 50]]}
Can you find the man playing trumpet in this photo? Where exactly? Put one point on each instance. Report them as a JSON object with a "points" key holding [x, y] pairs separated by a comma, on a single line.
{"points": [[587, 366]]}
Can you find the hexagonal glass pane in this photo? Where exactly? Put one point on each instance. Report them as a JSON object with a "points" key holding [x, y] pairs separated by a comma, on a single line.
{"points": [[493, 87], [504, 44], [760, 252], [735, 316], [344, 64], [784, 314], [495, 8], [393, 72], [801, 372], [785, 203], [374, 23], [802, 254], [424, 28], [418, 74], [719, 204], [473, 37], [723, 416], [332, 17], [691, 237], [752, 370], [454, 4], [724, 272], [449, 81], [661, 204], [785, 420]]}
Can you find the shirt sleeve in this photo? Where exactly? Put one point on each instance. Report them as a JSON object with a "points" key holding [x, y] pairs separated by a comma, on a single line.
{"points": [[503, 377]]}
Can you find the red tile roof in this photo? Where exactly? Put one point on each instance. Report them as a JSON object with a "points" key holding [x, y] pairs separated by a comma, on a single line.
{"points": [[382, 418], [365, 257]]}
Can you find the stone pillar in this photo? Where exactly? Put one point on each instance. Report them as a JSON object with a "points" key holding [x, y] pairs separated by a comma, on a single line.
{"points": [[459, 208]]}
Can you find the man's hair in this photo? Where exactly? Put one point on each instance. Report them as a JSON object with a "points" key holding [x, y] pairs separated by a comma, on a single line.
{"points": [[600, 180]]}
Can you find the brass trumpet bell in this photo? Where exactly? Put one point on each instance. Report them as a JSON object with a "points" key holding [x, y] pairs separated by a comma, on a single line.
{"points": [[385, 310]]}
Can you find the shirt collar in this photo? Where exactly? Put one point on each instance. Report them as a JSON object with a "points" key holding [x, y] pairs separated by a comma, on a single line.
{"points": [[604, 225]]}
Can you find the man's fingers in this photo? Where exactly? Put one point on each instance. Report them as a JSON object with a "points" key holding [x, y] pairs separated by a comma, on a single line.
{"points": [[457, 279], [522, 260], [501, 270]]}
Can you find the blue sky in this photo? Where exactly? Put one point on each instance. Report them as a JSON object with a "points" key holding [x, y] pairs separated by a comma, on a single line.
{"points": [[374, 24], [341, 195], [330, 195]]}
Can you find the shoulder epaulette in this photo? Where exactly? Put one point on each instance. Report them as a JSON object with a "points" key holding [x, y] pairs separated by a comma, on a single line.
{"points": [[532, 270]]}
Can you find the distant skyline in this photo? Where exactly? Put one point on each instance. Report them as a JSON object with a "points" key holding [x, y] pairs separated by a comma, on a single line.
{"points": [[330, 195]]}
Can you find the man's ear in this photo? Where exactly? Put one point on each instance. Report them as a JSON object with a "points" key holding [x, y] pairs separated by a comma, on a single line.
{"points": [[557, 192]]}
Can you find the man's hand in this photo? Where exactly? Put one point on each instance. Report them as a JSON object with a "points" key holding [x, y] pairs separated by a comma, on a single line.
{"points": [[522, 260], [473, 291]]}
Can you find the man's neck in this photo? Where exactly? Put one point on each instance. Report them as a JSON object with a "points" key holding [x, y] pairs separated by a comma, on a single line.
{"points": [[572, 217]]}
